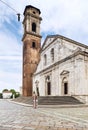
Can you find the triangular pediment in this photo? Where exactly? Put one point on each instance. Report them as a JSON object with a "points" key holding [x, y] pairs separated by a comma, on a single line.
{"points": [[48, 41], [64, 72], [51, 38]]}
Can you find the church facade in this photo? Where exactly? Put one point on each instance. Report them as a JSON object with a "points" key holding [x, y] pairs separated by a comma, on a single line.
{"points": [[58, 68], [63, 68]]}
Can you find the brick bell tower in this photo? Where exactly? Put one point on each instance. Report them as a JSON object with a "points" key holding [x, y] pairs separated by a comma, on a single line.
{"points": [[31, 46]]}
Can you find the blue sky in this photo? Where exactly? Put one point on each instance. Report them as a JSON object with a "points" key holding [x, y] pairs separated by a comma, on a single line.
{"points": [[65, 17]]}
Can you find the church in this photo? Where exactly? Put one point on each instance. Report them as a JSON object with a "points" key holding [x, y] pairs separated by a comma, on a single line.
{"points": [[57, 68]]}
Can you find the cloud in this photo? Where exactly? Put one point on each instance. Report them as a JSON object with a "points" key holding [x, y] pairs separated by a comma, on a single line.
{"points": [[10, 80], [65, 17], [10, 55], [9, 44], [10, 49]]}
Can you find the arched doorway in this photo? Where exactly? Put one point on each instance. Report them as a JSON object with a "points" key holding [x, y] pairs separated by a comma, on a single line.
{"points": [[48, 88], [48, 85], [64, 86]]}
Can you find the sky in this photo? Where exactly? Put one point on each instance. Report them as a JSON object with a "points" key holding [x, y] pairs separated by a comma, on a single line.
{"points": [[65, 17]]}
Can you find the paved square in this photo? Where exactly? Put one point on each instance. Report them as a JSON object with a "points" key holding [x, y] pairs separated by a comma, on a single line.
{"points": [[18, 117]]}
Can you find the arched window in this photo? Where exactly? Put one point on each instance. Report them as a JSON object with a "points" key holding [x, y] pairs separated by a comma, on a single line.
{"points": [[33, 45], [52, 54], [45, 59], [33, 27]]}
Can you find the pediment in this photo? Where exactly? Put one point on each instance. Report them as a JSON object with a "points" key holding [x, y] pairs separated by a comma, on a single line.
{"points": [[64, 72], [48, 41]]}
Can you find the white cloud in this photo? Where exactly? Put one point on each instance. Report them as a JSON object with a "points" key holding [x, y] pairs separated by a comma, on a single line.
{"points": [[10, 81], [10, 56], [9, 44], [66, 17], [11, 71]]}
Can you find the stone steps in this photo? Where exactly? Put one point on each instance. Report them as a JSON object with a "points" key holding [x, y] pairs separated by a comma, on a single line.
{"points": [[50, 100], [58, 100]]}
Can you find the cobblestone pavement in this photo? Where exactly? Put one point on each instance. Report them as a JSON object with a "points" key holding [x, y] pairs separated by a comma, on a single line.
{"points": [[18, 117]]}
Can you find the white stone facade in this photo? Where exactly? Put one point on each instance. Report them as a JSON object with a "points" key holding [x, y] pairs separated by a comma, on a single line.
{"points": [[7, 94], [63, 68]]}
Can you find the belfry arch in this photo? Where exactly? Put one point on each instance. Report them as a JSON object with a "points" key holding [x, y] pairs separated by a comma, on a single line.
{"points": [[34, 27]]}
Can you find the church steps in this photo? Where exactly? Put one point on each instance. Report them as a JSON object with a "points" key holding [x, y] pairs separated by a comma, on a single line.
{"points": [[50, 100]]}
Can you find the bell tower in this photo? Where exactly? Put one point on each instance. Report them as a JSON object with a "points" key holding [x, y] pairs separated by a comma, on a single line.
{"points": [[31, 46]]}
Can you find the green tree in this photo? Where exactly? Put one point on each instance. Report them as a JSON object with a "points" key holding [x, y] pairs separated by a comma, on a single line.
{"points": [[5, 90], [13, 92], [16, 94], [0, 95]]}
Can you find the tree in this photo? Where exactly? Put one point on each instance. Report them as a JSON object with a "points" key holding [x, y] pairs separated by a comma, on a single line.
{"points": [[17, 95], [14, 93], [0, 95], [5, 90]]}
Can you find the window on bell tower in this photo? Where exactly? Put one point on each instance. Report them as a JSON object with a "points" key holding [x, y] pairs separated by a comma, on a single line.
{"points": [[33, 45], [33, 27]]}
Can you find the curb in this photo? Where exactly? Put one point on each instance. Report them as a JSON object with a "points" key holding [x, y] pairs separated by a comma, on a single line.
{"points": [[50, 106]]}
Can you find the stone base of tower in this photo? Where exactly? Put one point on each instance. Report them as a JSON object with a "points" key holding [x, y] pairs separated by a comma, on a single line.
{"points": [[27, 84], [26, 92]]}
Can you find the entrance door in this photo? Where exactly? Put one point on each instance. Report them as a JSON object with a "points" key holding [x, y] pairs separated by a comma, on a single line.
{"points": [[48, 88], [65, 88]]}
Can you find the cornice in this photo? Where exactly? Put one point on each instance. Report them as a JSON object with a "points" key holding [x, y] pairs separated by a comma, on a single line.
{"points": [[30, 7], [63, 38], [28, 14], [30, 33], [63, 60]]}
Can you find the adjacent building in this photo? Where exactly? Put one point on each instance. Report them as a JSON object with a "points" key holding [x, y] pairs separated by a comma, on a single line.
{"points": [[6, 94]]}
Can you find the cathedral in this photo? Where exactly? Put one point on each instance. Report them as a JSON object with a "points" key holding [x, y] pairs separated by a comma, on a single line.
{"points": [[57, 68]]}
